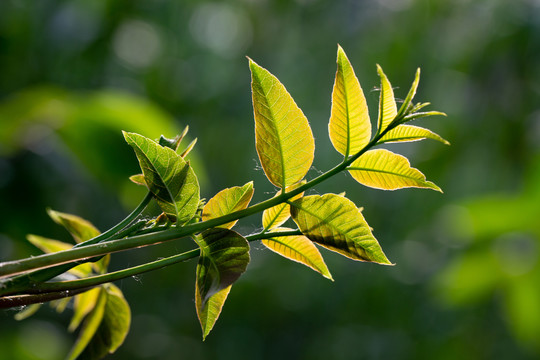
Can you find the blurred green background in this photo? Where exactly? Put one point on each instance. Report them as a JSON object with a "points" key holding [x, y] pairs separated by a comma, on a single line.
{"points": [[467, 278]]}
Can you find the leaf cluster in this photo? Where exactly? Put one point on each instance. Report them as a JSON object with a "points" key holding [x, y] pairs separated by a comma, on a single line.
{"points": [[293, 224]]}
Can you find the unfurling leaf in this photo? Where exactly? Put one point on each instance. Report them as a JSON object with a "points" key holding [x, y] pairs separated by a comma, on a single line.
{"points": [[349, 126], [382, 169], [167, 175], [300, 249], [79, 228], [405, 133], [224, 257], [412, 91], [336, 223], [283, 138], [387, 102], [228, 201], [277, 215]]}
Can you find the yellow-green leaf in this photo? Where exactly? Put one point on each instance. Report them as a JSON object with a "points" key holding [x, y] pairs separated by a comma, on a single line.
{"points": [[208, 312], [383, 169], [283, 138], [27, 311], [387, 102], [224, 257], [167, 175], [228, 201], [116, 320], [277, 215], [405, 133], [412, 91], [336, 223], [349, 126], [90, 326], [300, 249], [79, 228], [138, 179], [50, 246], [83, 304]]}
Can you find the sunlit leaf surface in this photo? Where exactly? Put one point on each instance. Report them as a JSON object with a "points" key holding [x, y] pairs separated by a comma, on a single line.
{"points": [[79, 228], [277, 215], [336, 223], [300, 249], [283, 138], [382, 169], [168, 177], [208, 312], [405, 133], [387, 102], [228, 201], [349, 127]]}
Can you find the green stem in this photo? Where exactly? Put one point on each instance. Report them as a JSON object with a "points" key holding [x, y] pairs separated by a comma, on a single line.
{"points": [[90, 251], [60, 289], [17, 283]]}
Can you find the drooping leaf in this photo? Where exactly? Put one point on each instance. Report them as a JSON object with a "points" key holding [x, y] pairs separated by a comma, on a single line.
{"points": [[349, 126], [336, 223], [277, 215], [168, 177], [300, 249], [383, 169], [224, 257], [283, 138], [387, 102], [113, 328], [83, 304], [50, 246], [405, 133], [209, 311], [90, 326], [228, 201], [79, 228]]}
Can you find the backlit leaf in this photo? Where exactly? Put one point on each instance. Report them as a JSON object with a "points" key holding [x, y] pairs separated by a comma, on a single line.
{"points": [[336, 223], [298, 248], [83, 304], [90, 326], [208, 312], [349, 127], [79, 228], [138, 179], [277, 215], [412, 91], [405, 133], [224, 257], [283, 138], [382, 169], [387, 102], [27, 311], [168, 177], [228, 201]]}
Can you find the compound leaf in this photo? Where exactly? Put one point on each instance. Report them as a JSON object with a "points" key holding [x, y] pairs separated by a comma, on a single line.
{"points": [[277, 215], [405, 133], [336, 223], [383, 169], [167, 175], [227, 201], [298, 248], [79, 228], [387, 102], [349, 126], [283, 138], [224, 257]]}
